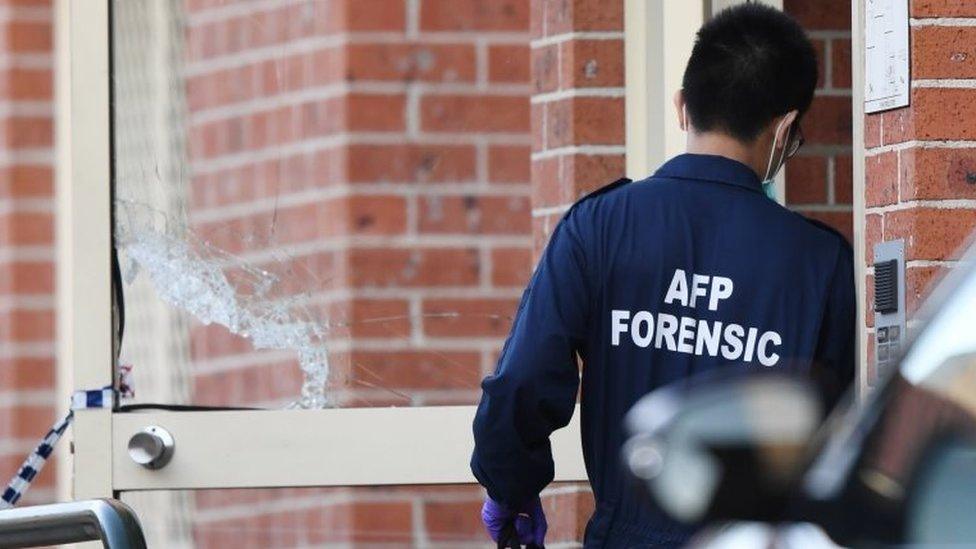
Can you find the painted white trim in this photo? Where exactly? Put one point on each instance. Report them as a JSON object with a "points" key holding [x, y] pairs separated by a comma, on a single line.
{"points": [[858, 161], [339, 447], [227, 449], [658, 37], [84, 231]]}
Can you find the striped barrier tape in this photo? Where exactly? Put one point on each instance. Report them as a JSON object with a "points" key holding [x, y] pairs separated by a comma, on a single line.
{"points": [[21, 482]]}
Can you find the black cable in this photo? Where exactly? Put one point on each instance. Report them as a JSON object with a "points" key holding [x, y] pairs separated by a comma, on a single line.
{"points": [[183, 408], [119, 292]]}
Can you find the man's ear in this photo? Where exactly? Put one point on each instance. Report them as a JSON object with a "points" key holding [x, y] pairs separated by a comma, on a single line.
{"points": [[783, 127], [681, 111]]}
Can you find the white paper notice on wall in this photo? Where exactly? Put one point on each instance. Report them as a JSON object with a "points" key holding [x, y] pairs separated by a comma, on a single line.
{"points": [[886, 64]]}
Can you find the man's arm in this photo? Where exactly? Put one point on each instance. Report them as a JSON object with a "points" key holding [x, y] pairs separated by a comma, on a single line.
{"points": [[533, 390], [835, 360]]}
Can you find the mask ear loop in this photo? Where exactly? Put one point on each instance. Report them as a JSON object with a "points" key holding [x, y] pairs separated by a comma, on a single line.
{"points": [[772, 153], [684, 120]]}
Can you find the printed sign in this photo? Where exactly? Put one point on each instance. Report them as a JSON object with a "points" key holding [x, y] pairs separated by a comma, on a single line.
{"points": [[886, 56]]}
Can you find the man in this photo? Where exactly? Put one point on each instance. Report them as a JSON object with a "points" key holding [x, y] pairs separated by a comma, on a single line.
{"points": [[689, 271]]}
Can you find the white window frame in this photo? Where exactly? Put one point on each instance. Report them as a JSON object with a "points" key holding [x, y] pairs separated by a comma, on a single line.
{"points": [[658, 38], [234, 449], [857, 157], [656, 54]]}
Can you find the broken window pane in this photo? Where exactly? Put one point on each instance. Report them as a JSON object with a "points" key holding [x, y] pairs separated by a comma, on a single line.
{"points": [[318, 203]]}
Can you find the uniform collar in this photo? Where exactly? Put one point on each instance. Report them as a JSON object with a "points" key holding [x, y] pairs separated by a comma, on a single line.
{"points": [[706, 167]]}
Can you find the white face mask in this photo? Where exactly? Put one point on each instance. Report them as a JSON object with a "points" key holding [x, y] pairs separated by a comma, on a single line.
{"points": [[769, 181]]}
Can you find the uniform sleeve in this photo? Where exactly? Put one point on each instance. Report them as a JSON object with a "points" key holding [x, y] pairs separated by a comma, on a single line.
{"points": [[835, 360], [533, 390]]}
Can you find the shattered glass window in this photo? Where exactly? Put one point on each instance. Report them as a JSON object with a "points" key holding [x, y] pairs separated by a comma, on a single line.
{"points": [[319, 202]]}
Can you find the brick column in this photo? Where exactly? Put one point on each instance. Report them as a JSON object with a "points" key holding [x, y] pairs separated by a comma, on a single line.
{"points": [[578, 146], [819, 180], [577, 106], [27, 303], [384, 146], [920, 164]]}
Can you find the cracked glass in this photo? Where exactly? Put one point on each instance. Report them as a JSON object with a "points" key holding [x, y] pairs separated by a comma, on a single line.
{"points": [[316, 205]]}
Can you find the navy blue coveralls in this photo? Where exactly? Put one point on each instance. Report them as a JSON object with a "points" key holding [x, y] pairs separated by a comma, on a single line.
{"points": [[652, 282]]}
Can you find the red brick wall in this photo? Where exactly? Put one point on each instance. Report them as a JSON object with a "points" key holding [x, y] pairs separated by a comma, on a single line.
{"points": [[819, 180], [921, 160], [577, 106], [403, 127], [27, 398], [578, 146], [578, 120], [387, 142]]}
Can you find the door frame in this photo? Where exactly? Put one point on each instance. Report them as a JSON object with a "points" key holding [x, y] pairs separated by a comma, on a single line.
{"points": [[653, 135], [239, 449], [658, 38]]}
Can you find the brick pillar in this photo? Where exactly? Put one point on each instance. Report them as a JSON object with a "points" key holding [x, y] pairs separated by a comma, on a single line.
{"points": [[577, 106], [389, 142], [578, 146], [819, 180], [920, 163], [27, 335]]}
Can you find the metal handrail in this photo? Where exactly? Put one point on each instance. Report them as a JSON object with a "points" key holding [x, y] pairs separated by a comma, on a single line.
{"points": [[108, 520]]}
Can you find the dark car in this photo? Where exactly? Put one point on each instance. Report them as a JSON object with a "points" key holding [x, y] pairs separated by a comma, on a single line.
{"points": [[750, 459]]}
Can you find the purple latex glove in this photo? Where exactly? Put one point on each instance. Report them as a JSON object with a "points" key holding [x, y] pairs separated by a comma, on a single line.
{"points": [[530, 521]]}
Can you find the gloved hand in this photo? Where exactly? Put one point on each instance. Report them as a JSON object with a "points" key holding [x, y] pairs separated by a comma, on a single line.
{"points": [[529, 520]]}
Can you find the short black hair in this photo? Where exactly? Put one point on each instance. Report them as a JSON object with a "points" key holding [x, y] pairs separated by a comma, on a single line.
{"points": [[750, 64]]}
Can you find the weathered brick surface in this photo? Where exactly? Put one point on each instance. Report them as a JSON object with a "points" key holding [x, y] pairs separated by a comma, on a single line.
{"points": [[819, 180], [830, 15], [403, 193], [921, 166], [577, 120], [944, 52], [808, 182], [27, 238], [937, 173], [942, 8], [881, 179], [930, 233]]}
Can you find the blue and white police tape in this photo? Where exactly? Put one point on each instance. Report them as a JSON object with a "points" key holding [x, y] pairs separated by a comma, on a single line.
{"points": [[21, 482]]}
